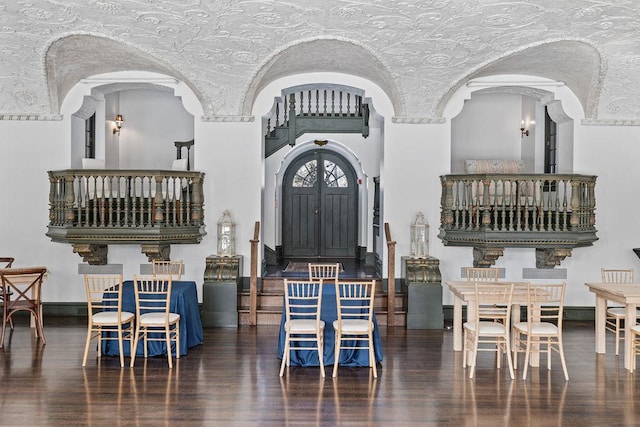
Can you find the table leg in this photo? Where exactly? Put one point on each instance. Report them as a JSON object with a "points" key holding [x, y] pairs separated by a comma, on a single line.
{"points": [[629, 322], [457, 324], [601, 314]]}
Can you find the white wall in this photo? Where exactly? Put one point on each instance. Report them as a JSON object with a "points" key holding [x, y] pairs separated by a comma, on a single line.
{"points": [[415, 155], [31, 148], [154, 120], [230, 154], [488, 127]]}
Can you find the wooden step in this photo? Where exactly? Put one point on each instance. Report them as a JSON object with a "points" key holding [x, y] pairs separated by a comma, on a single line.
{"points": [[265, 316], [271, 298], [271, 316], [276, 299]]}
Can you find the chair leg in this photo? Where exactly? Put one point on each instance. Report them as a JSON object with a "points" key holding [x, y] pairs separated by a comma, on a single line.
{"points": [[617, 335], [320, 338], [372, 357], [4, 329], [177, 337], [285, 354], [86, 347], [632, 362], [336, 356], [167, 334], [39, 327], [526, 358], [516, 346], [120, 346], [474, 354], [564, 364], [509, 361], [134, 348], [464, 350]]}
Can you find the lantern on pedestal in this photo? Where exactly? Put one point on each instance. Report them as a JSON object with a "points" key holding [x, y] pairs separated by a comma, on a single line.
{"points": [[420, 237], [226, 235]]}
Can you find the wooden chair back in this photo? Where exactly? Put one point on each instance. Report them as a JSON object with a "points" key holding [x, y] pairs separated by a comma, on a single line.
{"points": [[25, 284], [153, 294], [493, 302], [355, 301], [545, 303], [616, 275], [477, 274], [7, 261], [164, 268], [104, 292], [324, 272], [303, 300]]}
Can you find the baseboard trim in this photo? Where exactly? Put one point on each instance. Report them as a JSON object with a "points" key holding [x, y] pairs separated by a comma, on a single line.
{"points": [[79, 309]]}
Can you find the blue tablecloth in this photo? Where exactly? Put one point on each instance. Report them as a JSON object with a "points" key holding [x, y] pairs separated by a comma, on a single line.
{"points": [[329, 313], [184, 301]]}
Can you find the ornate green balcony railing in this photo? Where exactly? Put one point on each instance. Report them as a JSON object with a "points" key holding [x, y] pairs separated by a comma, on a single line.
{"points": [[91, 209], [489, 212]]}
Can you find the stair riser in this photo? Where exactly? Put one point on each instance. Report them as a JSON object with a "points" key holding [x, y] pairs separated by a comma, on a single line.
{"points": [[276, 300], [271, 318]]}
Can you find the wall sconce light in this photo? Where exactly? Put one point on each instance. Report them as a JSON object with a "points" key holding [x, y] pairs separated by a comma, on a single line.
{"points": [[523, 130], [321, 142], [118, 120]]}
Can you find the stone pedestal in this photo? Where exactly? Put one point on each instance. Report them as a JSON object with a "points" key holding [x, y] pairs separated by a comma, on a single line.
{"points": [[424, 293], [220, 291]]}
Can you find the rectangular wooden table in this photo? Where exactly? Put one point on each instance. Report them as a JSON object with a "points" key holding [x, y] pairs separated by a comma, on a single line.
{"points": [[627, 294], [465, 292]]}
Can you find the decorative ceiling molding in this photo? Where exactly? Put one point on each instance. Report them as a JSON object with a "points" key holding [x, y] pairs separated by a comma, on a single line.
{"points": [[417, 52], [22, 117]]}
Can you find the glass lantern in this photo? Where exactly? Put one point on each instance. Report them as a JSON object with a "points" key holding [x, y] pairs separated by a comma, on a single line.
{"points": [[420, 237], [226, 235]]}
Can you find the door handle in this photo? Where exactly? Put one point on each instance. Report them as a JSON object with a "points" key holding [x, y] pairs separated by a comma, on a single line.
{"points": [[315, 212]]}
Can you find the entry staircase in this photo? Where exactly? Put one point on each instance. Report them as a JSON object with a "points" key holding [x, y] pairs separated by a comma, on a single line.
{"points": [[271, 297], [264, 306]]}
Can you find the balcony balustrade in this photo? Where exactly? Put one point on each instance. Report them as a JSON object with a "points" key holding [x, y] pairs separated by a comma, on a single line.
{"points": [[91, 209], [550, 212]]}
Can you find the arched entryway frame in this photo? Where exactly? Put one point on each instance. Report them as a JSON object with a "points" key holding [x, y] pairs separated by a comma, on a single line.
{"points": [[333, 146]]}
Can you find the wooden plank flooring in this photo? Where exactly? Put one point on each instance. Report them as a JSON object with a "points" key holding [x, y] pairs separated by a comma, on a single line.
{"points": [[232, 379]]}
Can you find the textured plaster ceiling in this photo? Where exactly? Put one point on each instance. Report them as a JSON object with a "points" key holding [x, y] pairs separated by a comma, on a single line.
{"points": [[418, 51]]}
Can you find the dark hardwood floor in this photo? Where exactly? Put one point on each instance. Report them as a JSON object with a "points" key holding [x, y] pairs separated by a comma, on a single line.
{"points": [[232, 379]]}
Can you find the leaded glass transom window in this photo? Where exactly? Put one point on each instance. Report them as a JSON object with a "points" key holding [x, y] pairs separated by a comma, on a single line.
{"points": [[307, 175], [334, 176]]}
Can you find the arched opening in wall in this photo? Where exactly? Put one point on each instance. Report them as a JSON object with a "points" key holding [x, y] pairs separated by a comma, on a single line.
{"points": [[319, 207], [503, 119], [322, 131], [156, 128], [314, 64]]}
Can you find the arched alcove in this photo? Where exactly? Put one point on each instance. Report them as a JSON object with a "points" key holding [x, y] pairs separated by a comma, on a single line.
{"points": [[333, 55], [74, 57], [158, 110], [575, 63], [487, 115], [364, 154]]}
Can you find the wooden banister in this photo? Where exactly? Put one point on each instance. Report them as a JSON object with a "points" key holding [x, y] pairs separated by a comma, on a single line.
{"points": [[391, 276], [253, 284]]}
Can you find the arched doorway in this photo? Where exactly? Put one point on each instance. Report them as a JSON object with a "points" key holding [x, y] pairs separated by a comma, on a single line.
{"points": [[319, 207]]}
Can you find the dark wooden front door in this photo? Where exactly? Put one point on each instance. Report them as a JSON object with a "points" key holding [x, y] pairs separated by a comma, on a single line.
{"points": [[319, 207]]}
